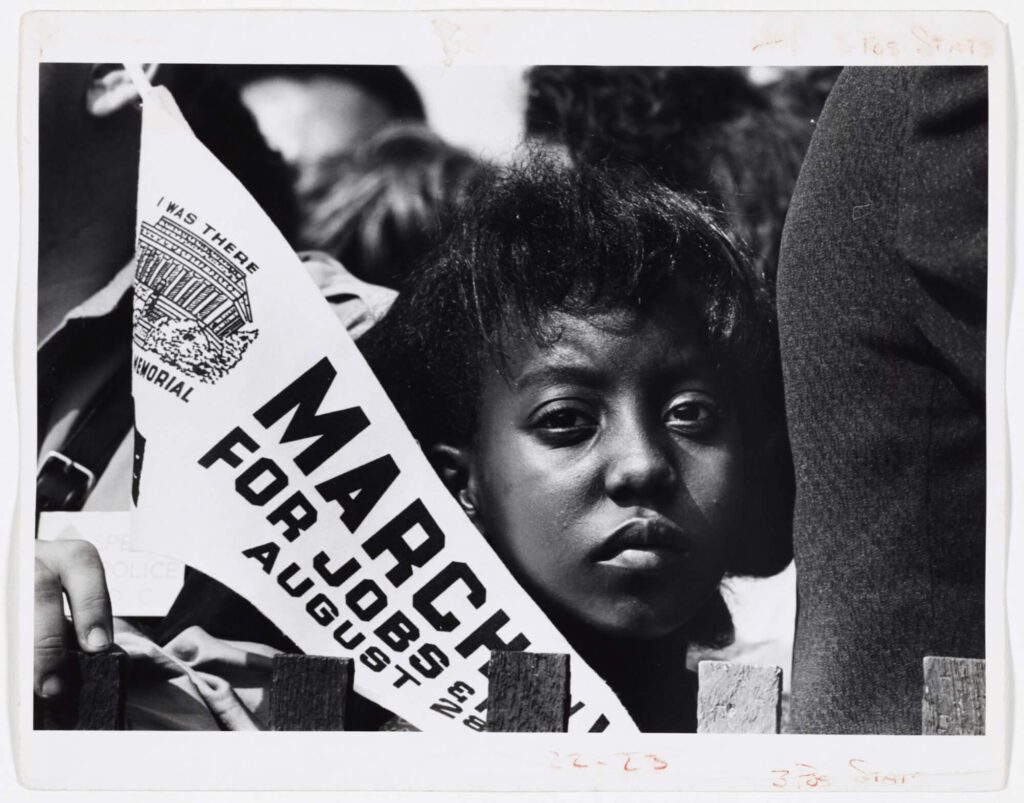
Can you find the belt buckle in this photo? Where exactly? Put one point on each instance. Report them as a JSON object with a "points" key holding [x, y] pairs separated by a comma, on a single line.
{"points": [[81, 478]]}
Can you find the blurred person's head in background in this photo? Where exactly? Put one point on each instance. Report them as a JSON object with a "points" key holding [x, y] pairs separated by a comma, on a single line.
{"points": [[89, 137], [388, 202], [709, 131], [314, 114], [802, 91]]}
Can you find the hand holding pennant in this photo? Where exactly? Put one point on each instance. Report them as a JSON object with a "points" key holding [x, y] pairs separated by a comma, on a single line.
{"points": [[274, 461]]}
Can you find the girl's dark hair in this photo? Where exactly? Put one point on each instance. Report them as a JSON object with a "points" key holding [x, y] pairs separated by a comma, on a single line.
{"points": [[539, 237]]}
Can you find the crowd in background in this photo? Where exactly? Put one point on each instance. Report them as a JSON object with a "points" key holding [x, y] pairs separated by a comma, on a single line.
{"points": [[345, 162], [372, 182]]}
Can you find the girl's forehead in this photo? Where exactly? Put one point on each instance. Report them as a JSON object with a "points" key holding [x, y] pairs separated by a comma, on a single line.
{"points": [[658, 322], [610, 341]]}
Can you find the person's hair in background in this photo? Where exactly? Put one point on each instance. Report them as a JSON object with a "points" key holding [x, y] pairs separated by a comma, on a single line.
{"points": [[801, 92], [707, 131], [386, 205], [314, 114], [541, 249]]}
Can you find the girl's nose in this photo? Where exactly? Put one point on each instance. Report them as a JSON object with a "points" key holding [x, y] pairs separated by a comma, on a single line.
{"points": [[639, 467]]}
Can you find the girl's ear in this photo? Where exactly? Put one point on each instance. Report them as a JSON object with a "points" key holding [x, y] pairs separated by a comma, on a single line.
{"points": [[455, 468]]}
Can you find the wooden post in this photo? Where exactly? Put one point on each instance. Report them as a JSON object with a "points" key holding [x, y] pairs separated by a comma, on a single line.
{"points": [[528, 692], [95, 696], [953, 703], [309, 692], [738, 698]]}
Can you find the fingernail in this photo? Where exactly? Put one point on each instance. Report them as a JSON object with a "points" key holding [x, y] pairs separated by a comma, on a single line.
{"points": [[97, 639], [50, 686]]}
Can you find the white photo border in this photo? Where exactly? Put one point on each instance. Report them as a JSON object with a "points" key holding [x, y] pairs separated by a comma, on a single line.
{"points": [[387, 761]]}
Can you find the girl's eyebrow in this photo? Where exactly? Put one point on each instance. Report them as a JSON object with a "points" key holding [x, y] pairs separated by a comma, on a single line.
{"points": [[577, 371], [551, 374]]}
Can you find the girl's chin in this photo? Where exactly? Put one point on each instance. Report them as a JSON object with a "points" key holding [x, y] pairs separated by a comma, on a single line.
{"points": [[630, 624], [628, 620], [642, 629]]}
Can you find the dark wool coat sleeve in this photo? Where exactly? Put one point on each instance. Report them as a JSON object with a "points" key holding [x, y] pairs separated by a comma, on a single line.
{"points": [[881, 292]]}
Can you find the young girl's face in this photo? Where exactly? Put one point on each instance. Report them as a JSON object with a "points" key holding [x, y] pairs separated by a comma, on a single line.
{"points": [[607, 470]]}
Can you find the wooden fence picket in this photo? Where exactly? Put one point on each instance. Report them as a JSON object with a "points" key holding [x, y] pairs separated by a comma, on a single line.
{"points": [[309, 692], [528, 692], [95, 697], [953, 703], [738, 698]]}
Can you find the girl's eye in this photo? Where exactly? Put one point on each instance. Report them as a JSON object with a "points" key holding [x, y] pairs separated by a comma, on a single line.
{"points": [[563, 424], [693, 415]]}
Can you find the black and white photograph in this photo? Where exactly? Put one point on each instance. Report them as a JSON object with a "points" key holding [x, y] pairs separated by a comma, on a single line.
{"points": [[611, 399]]}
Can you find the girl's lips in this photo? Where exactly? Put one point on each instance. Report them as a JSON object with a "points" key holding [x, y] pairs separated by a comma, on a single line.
{"points": [[644, 560], [643, 544]]}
